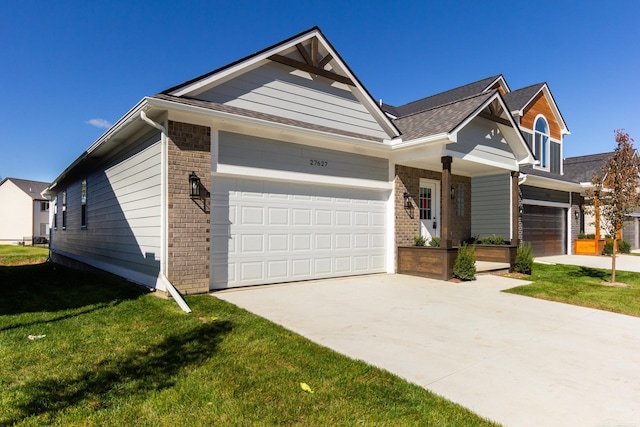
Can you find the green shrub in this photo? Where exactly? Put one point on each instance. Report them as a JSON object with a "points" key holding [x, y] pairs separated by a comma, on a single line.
{"points": [[583, 235], [624, 247], [464, 267], [434, 242], [419, 240], [524, 258], [492, 240]]}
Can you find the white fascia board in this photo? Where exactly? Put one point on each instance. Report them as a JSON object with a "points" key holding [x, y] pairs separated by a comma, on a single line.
{"points": [[253, 121], [545, 203], [442, 138], [553, 184], [225, 73], [124, 121], [300, 177], [480, 160]]}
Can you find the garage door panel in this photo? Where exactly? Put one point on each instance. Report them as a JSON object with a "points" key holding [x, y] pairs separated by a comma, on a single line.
{"points": [[544, 227], [314, 232]]}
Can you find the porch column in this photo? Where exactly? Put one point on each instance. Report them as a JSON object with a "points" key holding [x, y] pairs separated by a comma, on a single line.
{"points": [[445, 198], [515, 207]]}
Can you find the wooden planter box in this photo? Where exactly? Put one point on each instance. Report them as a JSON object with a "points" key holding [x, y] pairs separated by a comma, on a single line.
{"points": [[497, 253], [426, 261], [588, 246]]}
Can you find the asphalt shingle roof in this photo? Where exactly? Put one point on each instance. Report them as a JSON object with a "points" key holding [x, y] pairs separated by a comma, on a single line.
{"points": [[582, 168], [440, 119], [262, 116], [518, 99], [440, 99], [31, 188]]}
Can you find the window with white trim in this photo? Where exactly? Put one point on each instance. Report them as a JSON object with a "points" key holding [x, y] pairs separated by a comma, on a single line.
{"points": [[541, 142], [83, 207], [64, 210]]}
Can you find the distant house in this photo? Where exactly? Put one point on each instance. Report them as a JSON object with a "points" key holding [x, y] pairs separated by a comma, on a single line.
{"points": [[581, 169], [282, 167], [24, 211]]}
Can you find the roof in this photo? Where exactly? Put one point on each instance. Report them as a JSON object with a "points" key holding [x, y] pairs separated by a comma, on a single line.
{"points": [[33, 189], [442, 98], [258, 115], [441, 119], [518, 99], [582, 168]]}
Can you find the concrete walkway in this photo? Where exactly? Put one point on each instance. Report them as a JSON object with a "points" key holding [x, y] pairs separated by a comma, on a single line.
{"points": [[623, 262], [517, 360]]}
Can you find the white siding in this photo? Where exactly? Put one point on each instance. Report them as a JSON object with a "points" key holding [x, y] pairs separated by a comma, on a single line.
{"points": [[244, 150], [483, 139], [123, 215], [491, 206], [15, 214], [277, 89]]}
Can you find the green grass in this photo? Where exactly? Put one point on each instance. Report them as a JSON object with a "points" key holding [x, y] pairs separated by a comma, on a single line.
{"points": [[583, 286], [20, 255], [115, 355]]}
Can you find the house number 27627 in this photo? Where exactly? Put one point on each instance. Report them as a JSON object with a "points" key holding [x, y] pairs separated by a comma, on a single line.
{"points": [[320, 163]]}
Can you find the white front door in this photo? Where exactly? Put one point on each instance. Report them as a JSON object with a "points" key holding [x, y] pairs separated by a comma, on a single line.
{"points": [[429, 207]]}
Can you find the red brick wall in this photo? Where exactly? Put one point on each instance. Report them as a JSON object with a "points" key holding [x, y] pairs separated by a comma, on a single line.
{"points": [[408, 179], [189, 150]]}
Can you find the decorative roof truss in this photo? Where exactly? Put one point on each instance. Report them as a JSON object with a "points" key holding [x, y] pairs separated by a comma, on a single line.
{"points": [[312, 62]]}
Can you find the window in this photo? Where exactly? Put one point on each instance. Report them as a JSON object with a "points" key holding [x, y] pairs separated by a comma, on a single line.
{"points": [[541, 142], [44, 206], [425, 203], [64, 210], [460, 199], [83, 199], [55, 213]]}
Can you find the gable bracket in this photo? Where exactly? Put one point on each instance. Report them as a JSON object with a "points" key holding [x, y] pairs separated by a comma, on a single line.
{"points": [[310, 68], [495, 118]]}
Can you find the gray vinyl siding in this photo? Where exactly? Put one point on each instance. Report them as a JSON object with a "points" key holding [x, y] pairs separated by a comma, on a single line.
{"points": [[484, 139], [491, 206], [276, 89], [544, 194], [556, 157], [123, 214], [243, 150], [528, 137]]}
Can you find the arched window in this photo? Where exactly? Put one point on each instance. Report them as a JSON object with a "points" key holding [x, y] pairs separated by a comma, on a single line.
{"points": [[541, 142]]}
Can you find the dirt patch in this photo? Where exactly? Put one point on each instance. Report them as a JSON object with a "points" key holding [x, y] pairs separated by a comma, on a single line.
{"points": [[511, 275], [616, 284]]}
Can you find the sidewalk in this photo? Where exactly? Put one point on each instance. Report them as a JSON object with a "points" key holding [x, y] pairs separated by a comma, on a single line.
{"points": [[623, 262]]}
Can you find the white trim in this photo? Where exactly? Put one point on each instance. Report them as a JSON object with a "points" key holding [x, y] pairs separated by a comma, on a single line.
{"points": [[481, 160], [547, 149], [436, 200], [546, 203], [300, 177]]}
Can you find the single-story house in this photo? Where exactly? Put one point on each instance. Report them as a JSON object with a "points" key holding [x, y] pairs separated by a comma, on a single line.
{"points": [[24, 212], [581, 169], [282, 167]]}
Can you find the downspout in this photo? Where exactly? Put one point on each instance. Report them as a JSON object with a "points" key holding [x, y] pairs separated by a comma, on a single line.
{"points": [[163, 215]]}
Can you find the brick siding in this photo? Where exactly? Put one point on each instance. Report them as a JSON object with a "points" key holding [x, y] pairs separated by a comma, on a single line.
{"points": [[189, 150]]}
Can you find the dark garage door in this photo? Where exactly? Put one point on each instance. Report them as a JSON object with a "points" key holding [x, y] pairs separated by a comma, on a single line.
{"points": [[544, 227]]}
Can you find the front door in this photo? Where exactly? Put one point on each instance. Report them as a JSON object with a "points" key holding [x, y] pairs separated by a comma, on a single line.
{"points": [[429, 205]]}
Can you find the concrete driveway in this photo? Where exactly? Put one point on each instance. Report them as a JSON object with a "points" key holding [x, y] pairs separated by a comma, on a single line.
{"points": [[517, 360]]}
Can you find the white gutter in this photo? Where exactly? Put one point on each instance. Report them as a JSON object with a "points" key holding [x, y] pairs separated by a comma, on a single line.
{"points": [[523, 179], [162, 278]]}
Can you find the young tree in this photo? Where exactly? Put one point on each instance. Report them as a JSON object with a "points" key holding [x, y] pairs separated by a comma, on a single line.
{"points": [[618, 189]]}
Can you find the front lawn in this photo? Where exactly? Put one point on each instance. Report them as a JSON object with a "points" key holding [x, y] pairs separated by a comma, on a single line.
{"points": [[584, 286], [90, 349], [21, 255]]}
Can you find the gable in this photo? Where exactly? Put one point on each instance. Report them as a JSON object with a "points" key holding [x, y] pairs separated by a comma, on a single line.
{"points": [[302, 79], [540, 105]]}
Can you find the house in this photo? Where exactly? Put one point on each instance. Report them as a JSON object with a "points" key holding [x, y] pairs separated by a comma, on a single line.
{"points": [[581, 169], [24, 212], [282, 167]]}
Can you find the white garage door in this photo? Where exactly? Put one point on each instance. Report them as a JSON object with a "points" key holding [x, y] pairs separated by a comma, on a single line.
{"points": [[267, 232]]}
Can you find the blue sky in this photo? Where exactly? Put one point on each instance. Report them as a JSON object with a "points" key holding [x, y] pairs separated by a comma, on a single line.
{"points": [[70, 68]]}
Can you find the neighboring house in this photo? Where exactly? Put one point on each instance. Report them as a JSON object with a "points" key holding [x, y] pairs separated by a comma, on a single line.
{"points": [[24, 212], [281, 167], [581, 169]]}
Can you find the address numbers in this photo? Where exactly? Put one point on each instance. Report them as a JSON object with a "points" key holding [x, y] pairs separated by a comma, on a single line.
{"points": [[319, 163]]}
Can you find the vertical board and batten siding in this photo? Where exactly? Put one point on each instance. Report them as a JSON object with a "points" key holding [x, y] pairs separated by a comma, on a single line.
{"points": [[555, 154], [250, 151], [490, 205], [540, 105], [123, 215], [277, 89], [484, 139]]}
